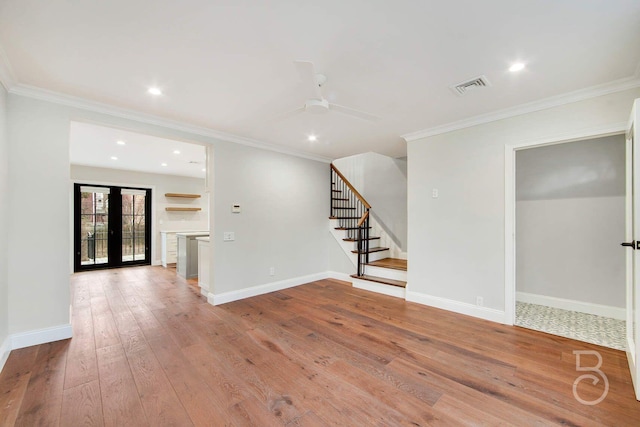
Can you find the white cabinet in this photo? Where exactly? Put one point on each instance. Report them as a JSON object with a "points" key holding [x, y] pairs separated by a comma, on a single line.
{"points": [[187, 264], [203, 265], [169, 247]]}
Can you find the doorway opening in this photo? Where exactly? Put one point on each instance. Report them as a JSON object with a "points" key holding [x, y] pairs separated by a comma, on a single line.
{"points": [[569, 222]]}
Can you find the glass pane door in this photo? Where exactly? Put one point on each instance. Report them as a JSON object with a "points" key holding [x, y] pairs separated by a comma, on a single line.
{"points": [[94, 225], [133, 225], [112, 227]]}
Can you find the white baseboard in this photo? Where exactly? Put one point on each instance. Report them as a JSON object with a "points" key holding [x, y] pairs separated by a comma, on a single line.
{"points": [[5, 349], [41, 336], [157, 262], [225, 297], [573, 305], [339, 276], [457, 307]]}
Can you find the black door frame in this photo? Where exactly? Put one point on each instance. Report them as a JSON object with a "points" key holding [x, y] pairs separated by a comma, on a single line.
{"points": [[115, 229]]}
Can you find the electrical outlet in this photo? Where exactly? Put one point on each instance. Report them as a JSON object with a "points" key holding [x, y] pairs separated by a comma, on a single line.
{"points": [[272, 271], [434, 193], [479, 301], [228, 236]]}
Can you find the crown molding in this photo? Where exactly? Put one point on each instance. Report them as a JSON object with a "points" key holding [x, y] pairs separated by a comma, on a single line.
{"points": [[7, 76], [554, 101], [125, 113]]}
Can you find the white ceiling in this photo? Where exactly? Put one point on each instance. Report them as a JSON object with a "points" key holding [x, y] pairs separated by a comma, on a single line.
{"points": [[93, 145], [228, 65]]}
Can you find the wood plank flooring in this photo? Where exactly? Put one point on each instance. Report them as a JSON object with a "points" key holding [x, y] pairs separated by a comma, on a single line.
{"points": [[149, 350]]}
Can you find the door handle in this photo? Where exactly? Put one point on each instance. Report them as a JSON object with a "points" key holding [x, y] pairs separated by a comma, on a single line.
{"points": [[633, 244]]}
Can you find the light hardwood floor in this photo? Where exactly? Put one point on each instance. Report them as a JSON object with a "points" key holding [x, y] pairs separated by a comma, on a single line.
{"points": [[149, 350]]}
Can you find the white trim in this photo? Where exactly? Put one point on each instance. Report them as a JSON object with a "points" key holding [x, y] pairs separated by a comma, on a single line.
{"points": [[573, 305], [485, 313], [380, 288], [345, 277], [509, 235], [156, 262], [41, 336], [7, 76], [125, 113], [554, 101], [225, 297], [5, 349], [632, 367], [510, 200]]}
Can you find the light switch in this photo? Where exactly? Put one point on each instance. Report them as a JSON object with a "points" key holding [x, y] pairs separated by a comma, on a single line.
{"points": [[235, 208], [228, 236]]}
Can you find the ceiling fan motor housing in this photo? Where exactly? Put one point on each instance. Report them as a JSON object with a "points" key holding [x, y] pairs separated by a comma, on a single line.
{"points": [[316, 106]]}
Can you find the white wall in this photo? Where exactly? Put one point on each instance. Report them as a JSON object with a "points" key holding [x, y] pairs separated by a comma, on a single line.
{"points": [[162, 219], [382, 181], [570, 221], [457, 246], [4, 212], [283, 223]]}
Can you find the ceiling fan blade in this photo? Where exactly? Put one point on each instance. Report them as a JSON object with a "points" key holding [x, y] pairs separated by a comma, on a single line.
{"points": [[288, 114], [353, 112], [308, 75]]}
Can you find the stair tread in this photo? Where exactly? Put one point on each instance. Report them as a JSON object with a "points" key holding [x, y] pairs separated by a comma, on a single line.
{"points": [[393, 263], [344, 217], [340, 198], [342, 207], [347, 228], [336, 191], [352, 239], [371, 250], [382, 280]]}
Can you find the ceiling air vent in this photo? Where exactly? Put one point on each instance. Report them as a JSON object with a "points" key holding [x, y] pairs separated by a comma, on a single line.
{"points": [[475, 83]]}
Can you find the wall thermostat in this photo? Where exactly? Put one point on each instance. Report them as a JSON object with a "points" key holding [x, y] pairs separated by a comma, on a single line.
{"points": [[235, 208]]}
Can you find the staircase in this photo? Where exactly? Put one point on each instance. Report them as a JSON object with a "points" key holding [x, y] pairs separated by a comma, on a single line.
{"points": [[350, 222]]}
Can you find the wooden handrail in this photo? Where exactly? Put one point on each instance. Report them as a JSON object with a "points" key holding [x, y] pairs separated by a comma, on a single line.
{"points": [[363, 219], [353, 190]]}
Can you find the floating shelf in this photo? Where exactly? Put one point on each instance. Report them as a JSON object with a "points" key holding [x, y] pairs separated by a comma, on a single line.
{"points": [[182, 209], [182, 195]]}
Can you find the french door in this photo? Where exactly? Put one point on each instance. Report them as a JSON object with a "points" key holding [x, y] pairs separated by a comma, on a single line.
{"points": [[112, 227], [633, 244]]}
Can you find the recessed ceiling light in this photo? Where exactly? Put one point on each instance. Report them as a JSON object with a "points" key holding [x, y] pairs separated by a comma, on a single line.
{"points": [[163, 164], [114, 158], [155, 91], [518, 66], [312, 138], [176, 151], [121, 142]]}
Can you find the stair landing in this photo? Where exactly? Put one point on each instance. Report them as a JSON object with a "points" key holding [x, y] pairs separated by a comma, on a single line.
{"points": [[385, 280]]}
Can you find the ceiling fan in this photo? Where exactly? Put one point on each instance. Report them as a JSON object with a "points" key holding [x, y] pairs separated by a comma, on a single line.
{"points": [[317, 104]]}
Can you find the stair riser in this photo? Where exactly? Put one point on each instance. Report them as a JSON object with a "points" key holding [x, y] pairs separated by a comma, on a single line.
{"points": [[372, 244], [387, 273], [393, 291], [375, 256]]}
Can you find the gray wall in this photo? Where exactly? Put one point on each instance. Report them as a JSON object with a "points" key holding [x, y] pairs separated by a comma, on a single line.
{"points": [[457, 246], [570, 221], [382, 181], [4, 210], [283, 223], [163, 220]]}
